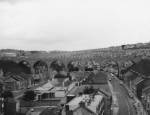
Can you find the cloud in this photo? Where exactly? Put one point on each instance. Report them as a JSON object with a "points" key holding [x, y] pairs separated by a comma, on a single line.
{"points": [[14, 1], [73, 24]]}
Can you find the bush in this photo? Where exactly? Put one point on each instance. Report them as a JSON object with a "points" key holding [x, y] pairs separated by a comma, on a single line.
{"points": [[29, 95], [89, 90], [71, 67]]}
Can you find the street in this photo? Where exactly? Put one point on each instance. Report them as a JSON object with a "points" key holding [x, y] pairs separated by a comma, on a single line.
{"points": [[125, 102]]}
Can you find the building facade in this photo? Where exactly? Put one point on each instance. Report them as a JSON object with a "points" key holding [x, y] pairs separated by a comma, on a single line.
{"points": [[85, 105]]}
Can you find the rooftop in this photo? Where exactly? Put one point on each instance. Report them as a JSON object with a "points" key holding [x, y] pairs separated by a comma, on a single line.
{"points": [[91, 102], [78, 89], [58, 89], [142, 67], [139, 68], [46, 87]]}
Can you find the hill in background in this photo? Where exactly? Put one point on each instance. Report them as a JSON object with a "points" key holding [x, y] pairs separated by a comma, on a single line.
{"points": [[115, 52]]}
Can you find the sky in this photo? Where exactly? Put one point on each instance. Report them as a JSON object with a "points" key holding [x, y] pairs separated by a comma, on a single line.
{"points": [[73, 24]]}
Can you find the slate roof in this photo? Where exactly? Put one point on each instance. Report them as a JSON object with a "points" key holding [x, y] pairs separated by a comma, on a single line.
{"points": [[11, 77], [138, 69], [19, 76]]}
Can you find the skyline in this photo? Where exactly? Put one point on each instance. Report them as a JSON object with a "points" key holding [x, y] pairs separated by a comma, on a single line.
{"points": [[71, 25]]}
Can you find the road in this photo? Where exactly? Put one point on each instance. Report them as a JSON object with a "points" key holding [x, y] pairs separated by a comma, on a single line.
{"points": [[125, 103]]}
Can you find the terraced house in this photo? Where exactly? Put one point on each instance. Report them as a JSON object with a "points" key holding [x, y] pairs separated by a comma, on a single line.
{"points": [[86, 104], [17, 81], [137, 77]]}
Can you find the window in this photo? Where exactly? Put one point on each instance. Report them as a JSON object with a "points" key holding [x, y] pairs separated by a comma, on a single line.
{"points": [[51, 95], [148, 98], [148, 106], [44, 96], [39, 97]]}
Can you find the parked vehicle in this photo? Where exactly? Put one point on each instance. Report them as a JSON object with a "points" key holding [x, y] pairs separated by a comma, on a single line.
{"points": [[130, 94]]}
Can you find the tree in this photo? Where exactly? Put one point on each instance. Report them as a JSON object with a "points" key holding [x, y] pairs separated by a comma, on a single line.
{"points": [[7, 94], [72, 67], [57, 65], [89, 90], [88, 68], [29, 95]]}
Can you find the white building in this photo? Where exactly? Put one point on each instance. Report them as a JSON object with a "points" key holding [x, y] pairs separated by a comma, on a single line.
{"points": [[85, 104], [42, 90], [49, 91]]}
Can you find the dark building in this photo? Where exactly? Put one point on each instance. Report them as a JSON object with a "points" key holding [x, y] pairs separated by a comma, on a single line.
{"points": [[9, 106]]}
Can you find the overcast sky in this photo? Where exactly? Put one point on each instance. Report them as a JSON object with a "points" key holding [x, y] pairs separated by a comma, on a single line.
{"points": [[73, 24]]}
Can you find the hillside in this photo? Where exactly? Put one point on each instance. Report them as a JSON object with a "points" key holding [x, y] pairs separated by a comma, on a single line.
{"points": [[116, 52]]}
